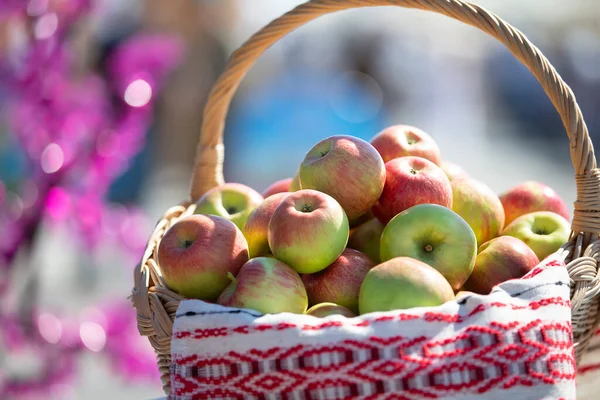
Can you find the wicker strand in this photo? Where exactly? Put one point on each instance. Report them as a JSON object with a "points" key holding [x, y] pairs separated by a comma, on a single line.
{"points": [[156, 304]]}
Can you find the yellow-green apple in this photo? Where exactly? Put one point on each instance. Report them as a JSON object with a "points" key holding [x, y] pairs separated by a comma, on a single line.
{"points": [[500, 259], [479, 206], [453, 171], [402, 283], [340, 282], [256, 228], [435, 235], [366, 237], [404, 140], [410, 181], [308, 231], [196, 254], [323, 310], [266, 285], [232, 201], [543, 231], [279, 186], [295, 183], [348, 169], [531, 196]]}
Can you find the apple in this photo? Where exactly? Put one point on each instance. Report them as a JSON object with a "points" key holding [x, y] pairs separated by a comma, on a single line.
{"points": [[340, 282], [295, 183], [308, 231], [410, 181], [402, 283], [479, 206], [257, 225], [453, 171], [404, 140], [435, 235], [531, 196], [196, 254], [543, 231], [266, 285], [499, 260], [366, 237], [232, 201], [279, 186], [348, 169], [323, 310]]}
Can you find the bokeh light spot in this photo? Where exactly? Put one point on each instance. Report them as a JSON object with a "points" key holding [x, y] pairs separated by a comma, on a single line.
{"points": [[138, 93], [45, 26], [50, 328], [52, 158], [92, 335]]}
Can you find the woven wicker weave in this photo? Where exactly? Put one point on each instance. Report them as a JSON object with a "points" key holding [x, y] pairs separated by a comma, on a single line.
{"points": [[156, 304]]}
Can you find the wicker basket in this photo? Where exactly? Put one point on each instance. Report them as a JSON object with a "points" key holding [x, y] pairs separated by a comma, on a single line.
{"points": [[156, 305]]}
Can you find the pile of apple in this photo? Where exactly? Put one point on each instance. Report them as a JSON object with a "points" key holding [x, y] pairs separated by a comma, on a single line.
{"points": [[362, 227]]}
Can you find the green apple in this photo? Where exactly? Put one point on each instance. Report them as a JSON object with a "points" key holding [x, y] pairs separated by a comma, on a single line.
{"points": [[366, 237], [323, 310], [295, 183], [479, 206], [232, 201], [308, 231], [196, 254], [348, 169], [499, 260], [402, 283], [266, 285], [543, 231], [435, 235]]}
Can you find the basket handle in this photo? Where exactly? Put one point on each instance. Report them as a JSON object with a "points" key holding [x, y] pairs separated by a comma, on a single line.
{"points": [[208, 166]]}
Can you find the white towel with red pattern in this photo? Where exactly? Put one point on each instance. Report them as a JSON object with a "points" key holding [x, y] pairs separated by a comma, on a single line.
{"points": [[515, 343]]}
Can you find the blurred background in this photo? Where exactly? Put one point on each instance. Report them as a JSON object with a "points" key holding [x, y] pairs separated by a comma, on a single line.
{"points": [[100, 107]]}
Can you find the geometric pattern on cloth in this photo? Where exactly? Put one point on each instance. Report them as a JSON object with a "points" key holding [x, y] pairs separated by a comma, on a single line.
{"points": [[515, 343]]}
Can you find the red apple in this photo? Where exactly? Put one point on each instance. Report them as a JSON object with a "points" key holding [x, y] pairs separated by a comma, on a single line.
{"points": [[308, 231], [280, 186], [196, 254], [403, 140], [499, 260], [256, 228], [410, 181], [266, 285], [348, 169], [340, 282], [323, 310], [402, 283], [479, 206], [454, 171], [366, 239], [531, 196], [233, 201]]}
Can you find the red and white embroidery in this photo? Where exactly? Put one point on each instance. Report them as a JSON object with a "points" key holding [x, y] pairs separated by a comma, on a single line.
{"points": [[516, 343]]}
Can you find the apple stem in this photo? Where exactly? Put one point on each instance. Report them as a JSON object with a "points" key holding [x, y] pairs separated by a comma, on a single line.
{"points": [[231, 277], [428, 248]]}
